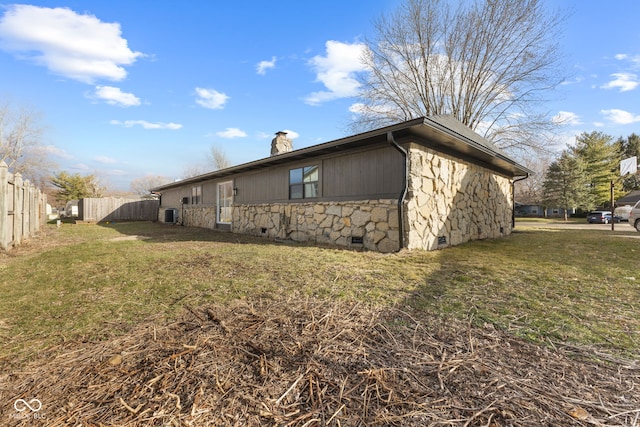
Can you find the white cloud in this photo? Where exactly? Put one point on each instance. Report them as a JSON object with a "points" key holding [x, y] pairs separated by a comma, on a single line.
{"points": [[80, 166], [105, 160], [357, 108], [337, 71], [620, 117], [146, 125], [575, 80], [114, 96], [566, 118], [211, 98], [383, 110], [115, 172], [54, 151], [623, 81], [291, 134], [634, 59], [232, 133], [80, 47], [263, 66]]}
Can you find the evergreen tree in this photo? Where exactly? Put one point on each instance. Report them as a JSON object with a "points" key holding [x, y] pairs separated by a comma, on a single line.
{"points": [[601, 161], [564, 184], [75, 186]]}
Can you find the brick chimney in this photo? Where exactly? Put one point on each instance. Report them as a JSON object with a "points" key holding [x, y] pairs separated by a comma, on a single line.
{"points": [[281, 144]]}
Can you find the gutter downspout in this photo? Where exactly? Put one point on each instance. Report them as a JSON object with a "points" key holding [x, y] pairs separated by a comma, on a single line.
{"points": [[513, 197], [403, 195]]}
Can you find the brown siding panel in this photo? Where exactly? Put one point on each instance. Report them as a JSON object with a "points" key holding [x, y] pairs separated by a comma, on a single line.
{"points": [[360, 175], [264, 186], [364, 175], [369, 174]]}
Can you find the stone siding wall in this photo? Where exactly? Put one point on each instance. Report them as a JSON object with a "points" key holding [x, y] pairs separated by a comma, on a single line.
{"points": [[451, 201], [199, 216], [374, 221]]}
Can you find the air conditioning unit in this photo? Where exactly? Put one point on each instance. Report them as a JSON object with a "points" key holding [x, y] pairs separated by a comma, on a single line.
{"points": [[171, 216]]}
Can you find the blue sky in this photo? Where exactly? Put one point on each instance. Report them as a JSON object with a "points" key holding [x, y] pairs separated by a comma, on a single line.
{"points": [[134, 88]]}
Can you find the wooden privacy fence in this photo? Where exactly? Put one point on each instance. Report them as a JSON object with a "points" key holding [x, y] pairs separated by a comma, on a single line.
{"points": [[117, 209], [23, 208]]}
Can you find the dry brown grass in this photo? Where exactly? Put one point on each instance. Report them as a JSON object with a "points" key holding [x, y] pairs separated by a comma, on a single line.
{"points": [[139, 324], [306, 362]]}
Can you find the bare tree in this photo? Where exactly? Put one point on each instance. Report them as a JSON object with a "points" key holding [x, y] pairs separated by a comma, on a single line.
{"points": [[489, 63], [219, 158], [142, 185], [20, 142], [192, 170], [531, 191]]}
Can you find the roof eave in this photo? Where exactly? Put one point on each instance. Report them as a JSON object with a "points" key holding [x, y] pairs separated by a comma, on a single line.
{"points": [[422, 127]]}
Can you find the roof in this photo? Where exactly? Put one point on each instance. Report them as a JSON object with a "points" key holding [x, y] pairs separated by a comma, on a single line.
{"points": [[442, 133], [630, 198]]}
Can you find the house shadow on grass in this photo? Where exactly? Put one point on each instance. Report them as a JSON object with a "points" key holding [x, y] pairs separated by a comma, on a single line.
{"points": [[156, 232]]}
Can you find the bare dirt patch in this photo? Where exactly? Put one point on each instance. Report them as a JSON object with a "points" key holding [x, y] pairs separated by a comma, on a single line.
{"points": [[125, 238], [303, 362]]}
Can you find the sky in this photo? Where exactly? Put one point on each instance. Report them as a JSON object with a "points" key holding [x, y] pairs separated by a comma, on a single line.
{"points": [[128, 89]]}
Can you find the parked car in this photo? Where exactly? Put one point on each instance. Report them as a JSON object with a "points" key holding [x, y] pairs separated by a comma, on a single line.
{"points": [[634, 216], [622, 212], [601, 217]]}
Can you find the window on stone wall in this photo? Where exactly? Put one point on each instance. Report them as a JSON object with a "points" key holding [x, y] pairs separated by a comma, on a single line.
{"points": [[196, 195], [303, 182]]}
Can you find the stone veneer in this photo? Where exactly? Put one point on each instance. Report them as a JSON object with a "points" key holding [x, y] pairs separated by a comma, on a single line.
{"points": [[451, 201], [199, 216], [373, 221]]}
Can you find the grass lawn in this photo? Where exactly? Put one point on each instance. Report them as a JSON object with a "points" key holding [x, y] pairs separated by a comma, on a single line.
{"points": [[95, 281]]}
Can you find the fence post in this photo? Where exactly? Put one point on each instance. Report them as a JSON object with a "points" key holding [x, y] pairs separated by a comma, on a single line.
{"points": [[26, 209], [42, 202], [18, 204], [4, 205]]}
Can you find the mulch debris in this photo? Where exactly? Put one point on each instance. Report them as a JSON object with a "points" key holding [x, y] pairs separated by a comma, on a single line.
{"points": [[308, 362]]}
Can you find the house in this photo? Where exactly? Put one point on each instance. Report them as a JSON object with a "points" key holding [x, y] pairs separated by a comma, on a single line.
{"points": [[427, 183], [629, 199], [523, 210]]}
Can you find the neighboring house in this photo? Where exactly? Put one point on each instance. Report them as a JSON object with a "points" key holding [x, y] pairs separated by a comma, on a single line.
{"points": [[539, 211], [426, 183], [629, 199]]}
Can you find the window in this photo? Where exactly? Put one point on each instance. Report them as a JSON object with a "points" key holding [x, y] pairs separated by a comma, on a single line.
{"points": [[225, 198], [196, 195], [303, 182]]}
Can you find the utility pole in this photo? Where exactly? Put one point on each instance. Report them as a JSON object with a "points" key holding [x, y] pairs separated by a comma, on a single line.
{"points": [[613, 218]]}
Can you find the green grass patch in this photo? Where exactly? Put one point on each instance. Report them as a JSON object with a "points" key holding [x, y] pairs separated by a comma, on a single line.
{"points": [[92, 281]]}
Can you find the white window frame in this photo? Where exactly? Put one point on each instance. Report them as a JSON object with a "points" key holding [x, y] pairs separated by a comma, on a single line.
{"points": [[306, 187], [196, 195], [224, 201]]}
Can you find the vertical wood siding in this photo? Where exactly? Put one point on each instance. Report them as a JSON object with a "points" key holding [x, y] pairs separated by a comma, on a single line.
{"points": [[360, 175], [22, 208], [117, 209]]}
